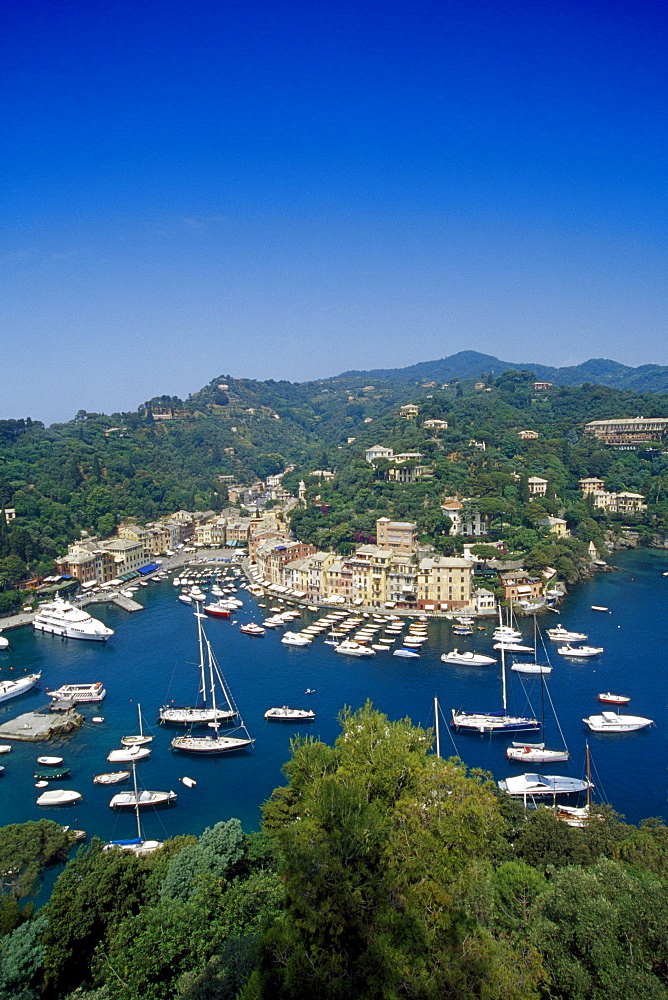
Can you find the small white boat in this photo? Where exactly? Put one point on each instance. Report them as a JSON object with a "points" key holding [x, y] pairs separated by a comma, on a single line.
{"points": [[132, 800], [97, 719], [140, 739], [599, 607], [407, 654], [128, 754], [580, 652], [614, 699], [535, 753], [58, 797], [467, 659], [39, 784], [613, 722], [185, 598], [527, 786], [188, 782], [286, 714], [295, 639], [50, 761], [561, 634], [4, 643], [112, 778], [531, 668], [347, 647], [513, 647], [251, 628], [5, 748]]}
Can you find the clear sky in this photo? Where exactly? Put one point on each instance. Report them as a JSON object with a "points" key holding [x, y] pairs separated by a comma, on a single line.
{"points": [[290, 188]]}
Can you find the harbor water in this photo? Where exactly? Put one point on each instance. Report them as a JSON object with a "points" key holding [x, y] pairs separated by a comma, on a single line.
{"points": [[152, 659]]}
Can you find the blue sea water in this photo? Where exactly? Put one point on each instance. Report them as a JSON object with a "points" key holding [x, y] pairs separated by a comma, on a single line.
{"points": [[152, 659]]}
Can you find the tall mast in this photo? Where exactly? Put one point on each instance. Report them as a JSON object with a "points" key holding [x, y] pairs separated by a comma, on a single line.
{"points": [[134, 782], [588, 777], [202, 682], [141, 729], [438, 731], [503, 675], [213, 688]]}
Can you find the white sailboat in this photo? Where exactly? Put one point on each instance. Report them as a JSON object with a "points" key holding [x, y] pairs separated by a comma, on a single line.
{"points": [[216, 744], [140, 739], [137, 845], [521, 667], [202, 713], [538, 753], [494, 722]]}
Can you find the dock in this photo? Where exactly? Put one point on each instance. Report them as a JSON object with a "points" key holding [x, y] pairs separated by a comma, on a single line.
{"points": [[127, 604], [34, 726]]}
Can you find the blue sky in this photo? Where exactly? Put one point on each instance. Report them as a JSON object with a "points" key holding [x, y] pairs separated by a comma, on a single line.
{"points": [[291, 189]]}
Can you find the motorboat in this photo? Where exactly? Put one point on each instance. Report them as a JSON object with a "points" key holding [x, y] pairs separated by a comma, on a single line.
{"points": [[4, 642], [295, 639], [535, 753], [614, 699], [219, 609], [348, 647], [286, 714], [408, 654], [561, 634], [50, 761], [466, 659], [59, 617], [12, 689], [111, 778], [185, 598], [128, 754], [527, 786], [580, 652], [613, 722], [251, 628], [5, 748], [59, 797], [79, 693], [130, 800]]}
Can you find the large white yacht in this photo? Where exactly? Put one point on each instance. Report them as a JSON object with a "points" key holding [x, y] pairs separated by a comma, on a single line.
{"points": [[62, 618]]}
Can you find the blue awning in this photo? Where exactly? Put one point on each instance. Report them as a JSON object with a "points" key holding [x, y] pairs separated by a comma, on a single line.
{"points": [[149, 569]]}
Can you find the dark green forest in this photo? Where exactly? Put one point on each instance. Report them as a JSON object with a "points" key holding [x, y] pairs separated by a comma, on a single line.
{"points": [[382, 871], [89, 473]]}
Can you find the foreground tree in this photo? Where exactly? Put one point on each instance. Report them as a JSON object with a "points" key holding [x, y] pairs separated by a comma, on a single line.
{"points": [[385, 857]]}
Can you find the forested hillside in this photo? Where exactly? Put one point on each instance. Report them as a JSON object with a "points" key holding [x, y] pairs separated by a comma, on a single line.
{"points": [[89, 473]]}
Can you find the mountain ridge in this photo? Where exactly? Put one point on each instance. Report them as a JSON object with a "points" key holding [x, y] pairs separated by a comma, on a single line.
{"points": [[472, 364]]}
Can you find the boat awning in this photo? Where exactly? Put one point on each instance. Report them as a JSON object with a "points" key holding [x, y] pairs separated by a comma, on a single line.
{"points": [[149, 568]]}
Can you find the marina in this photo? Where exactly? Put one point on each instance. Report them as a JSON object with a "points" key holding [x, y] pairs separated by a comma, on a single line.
{"points": [[153, 659]]}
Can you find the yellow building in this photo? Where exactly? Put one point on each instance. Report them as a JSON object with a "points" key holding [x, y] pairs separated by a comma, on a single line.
{"points": [[444, 582]]}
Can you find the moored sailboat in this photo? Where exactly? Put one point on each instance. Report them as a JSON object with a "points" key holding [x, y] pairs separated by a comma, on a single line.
{"points": [[494, 722], [202, 713], [216, 744]]}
